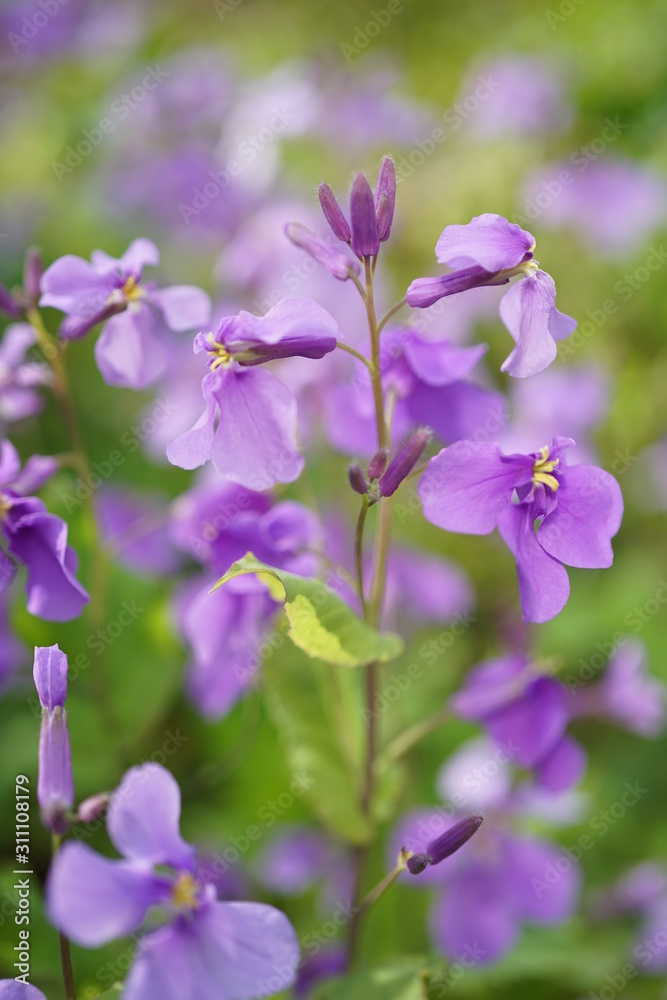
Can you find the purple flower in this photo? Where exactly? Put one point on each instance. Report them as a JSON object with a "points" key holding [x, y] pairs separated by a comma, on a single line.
{"points": [[473, 488], [336, 263], [429, 384], [128, 351], [20, 379], [627, 694], [12, 989], [55, 786], [134, 527], [254, 443], [524, 709], [37, 539], [489, 250], [204, 948]]}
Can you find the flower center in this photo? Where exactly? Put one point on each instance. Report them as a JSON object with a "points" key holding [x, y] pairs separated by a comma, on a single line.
{"points": [[5, 505], [184, 892], [543, 468], [132, 290], [220, 354]]}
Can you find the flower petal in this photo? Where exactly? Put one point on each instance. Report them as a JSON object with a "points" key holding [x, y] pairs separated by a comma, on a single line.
{"points": [[143, 818], [545, 890], [127, 351], [565, 766], [488, 240], [93, 900], [50, 676], [477, 915], [437, 362], [526, 310], [184, 307], [71, 282], [459, 411], [193, 448], [579, 530], [544, 586]]}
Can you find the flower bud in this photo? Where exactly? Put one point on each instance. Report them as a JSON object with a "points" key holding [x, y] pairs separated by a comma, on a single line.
{"points": [[8, 304], [445, 845], [32, 273], [404, 461], [385, 198], [333, 213], [336, 263], [357, 480], [90, 809], [55, 784], [365, 240], [378, 464]]}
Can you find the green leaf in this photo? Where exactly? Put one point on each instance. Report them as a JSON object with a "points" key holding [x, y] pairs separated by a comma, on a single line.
{"points": [[321, 624], [407, 981], [319, 727]]}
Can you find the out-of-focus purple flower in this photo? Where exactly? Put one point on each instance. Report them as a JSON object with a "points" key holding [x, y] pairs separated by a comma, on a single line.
{"points": [[497, 882], [105, 290], [13, 989], [472, 488], [429, 384], [254, 443], [489, 250], [135, 526], [518, 95], [527, 710], [37, 539], [55, 786], [19, 378], [627, 694], [575, 399], [227, 631], [330, 961], [579, 199], [205, 948], [296, 859]]}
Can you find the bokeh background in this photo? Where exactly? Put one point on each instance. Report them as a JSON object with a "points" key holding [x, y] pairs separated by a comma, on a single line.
{"points": [[581, 87]]}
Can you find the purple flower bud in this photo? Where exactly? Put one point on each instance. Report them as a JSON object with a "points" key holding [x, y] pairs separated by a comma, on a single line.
{"points": [[8, 304], [365, 239], [385, 198], [55, 784], [90, 809], [336, 263], [32, 273], [378, 464], [448, 843], [357, 480], [404, 461], [333, 213]]}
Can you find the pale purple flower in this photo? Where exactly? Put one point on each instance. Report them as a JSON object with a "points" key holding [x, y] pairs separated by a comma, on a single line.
{"points": [[576, 194], [55, 786], [254, 443], [204, 948], [489, 250], [520, 706], [37, 539], [627, 693], [134, 526], [472, 488], [20, 378], [12, 989], [129, 351]]}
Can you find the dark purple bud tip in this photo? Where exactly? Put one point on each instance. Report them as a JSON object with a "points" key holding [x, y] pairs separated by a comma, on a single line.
{"points": [[365, 239], [32, 273], [8, 304], [357, 480], [453, 839], [417, 863], [333, 213], [378, 464], [404, 461], [385, 198]]}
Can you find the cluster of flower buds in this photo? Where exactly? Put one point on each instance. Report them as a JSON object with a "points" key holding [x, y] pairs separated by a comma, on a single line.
{"points": [[382, 480], [370, 216], [16, 303]]}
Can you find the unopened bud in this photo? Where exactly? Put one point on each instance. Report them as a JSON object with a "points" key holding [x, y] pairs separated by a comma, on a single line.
{"points": [[365, 239], [92, 808], [385, 198], [445, 845], [333, 213], [32, 273], [55, 784], [378, 464], [336, 263], [404, 461], [357, 480]]}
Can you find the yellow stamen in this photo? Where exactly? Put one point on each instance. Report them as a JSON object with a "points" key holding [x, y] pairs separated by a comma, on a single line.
{"points": [[5, 506], [132, 290], [184, 892], [542, 469], [221, 354]]}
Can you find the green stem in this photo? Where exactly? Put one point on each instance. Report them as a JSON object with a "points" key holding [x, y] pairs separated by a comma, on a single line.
{"points": [[376, 373], [355, 354], [413, 735], [65, 956], [390, 312], [359, 551], [372, 897]]}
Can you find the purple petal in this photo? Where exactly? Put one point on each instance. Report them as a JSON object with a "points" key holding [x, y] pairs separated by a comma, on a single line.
{"points": [[127, 352], [70, 282], [193, 448], [528, 311], [534, 723], [143, 818], [254, 444], [94, 900], [36, 471], [459, 411], [39, 540], [50, 676], [336, 263], [292, 328], [437, 362], [12, 989], [588, 514], [184, 307], [140, 253], [565, 766], [544, 586], [17, 340], [488, 240], [467, 486], [424, 292], [545, 882], [228, 951], [427, 588], [629, 694], [10, 463], [477, 918], [296, 859]]}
